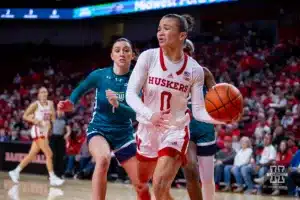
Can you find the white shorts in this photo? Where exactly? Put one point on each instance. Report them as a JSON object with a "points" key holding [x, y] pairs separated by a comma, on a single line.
{"points": [[152, 144], [37, 132]]}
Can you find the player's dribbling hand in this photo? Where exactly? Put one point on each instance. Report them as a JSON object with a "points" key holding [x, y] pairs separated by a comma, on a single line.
{"points": [[161, 119], [38, 122], [65, 106], [112, 98]]}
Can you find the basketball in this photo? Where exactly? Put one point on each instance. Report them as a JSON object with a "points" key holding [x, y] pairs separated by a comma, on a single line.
{"points": [[224, 102]]}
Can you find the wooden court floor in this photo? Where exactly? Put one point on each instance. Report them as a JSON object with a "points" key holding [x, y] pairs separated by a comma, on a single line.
{"points": [[37, 188]]}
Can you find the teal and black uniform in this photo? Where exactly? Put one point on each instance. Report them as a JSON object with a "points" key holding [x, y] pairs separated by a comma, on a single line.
{"points": [[203, 135], [116, 127]]}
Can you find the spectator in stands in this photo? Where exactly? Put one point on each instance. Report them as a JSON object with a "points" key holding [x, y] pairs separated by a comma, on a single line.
{"points": [[223, 157], [242, 158], [86, 165], [3, 135], [14, 136], [74, 142], [288, 119], [291, 144], [236, 144], [281, 102], [294, 174], [278, 135], [267, 157], [296, 107], [272, 117], [262, 127]]}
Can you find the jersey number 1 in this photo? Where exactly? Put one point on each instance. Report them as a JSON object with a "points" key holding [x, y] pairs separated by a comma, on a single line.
{"points": [[165, 100]]}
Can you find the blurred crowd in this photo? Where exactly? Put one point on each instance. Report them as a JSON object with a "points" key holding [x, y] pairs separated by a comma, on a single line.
{"points": [[268, 134]]}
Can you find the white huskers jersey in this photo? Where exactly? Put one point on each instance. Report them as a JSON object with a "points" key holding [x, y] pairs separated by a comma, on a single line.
{"points": [[166, 85], [42, 113]]}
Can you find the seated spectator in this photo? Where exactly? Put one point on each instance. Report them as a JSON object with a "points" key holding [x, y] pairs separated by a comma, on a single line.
{"points": [[223, 157], [291, 144], [262, 127], [294, 174], [283, 158], [271, 117], [3, 136], [74, 142], [278, 135], [280, 103], [14, 136], [287, 120], [236, 144], [267, 157], [242, 158]]}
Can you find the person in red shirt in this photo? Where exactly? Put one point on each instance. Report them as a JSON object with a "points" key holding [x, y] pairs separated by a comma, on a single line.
{"points": [[74, 142], [291, 144], [283, 158], [284, 154]]}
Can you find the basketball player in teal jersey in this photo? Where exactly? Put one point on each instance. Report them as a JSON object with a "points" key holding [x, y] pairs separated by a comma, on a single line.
{"points": [[202, 148], [111, 126]]}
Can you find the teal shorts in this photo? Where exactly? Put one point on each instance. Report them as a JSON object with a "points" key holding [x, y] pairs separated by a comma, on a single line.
{"points": [[121, 143], [203, 135]]}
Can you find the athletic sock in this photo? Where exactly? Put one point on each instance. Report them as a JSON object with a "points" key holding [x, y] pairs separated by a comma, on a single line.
{"points": [[18, 169]]}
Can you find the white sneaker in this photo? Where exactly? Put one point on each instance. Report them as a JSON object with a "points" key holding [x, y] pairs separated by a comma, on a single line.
{"points": [[14, 176], [55, 181], [276, 193], [260, 180]]}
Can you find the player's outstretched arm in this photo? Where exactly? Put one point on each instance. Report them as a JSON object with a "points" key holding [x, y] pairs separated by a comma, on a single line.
{"points": [[89, 83], [198, 103], [135, 84], [86, 85]]}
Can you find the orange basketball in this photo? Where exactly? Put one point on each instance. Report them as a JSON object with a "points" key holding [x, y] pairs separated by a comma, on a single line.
{"points": [[224, 102]]}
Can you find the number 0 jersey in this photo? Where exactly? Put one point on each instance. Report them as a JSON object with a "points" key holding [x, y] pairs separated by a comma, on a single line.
{"points": [[166, 85]]}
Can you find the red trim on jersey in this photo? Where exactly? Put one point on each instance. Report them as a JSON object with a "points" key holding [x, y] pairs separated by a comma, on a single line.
{"points": [[185, 145], [190, 113], [163, 66], [35, 135], [183, 66], [143, 96], [170, 151], [142, 158]]}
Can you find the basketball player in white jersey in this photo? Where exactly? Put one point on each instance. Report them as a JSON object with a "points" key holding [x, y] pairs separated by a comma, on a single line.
{"points": [[166, 76], [40, 113]]}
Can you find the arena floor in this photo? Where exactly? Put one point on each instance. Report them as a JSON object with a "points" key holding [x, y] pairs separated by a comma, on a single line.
{"points": [[36, 188]]}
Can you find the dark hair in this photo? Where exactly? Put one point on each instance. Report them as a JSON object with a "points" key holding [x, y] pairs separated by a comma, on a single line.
{"points": [[189, 47], [286, 146], [186, 22], [297, 94], [123, 40]]}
